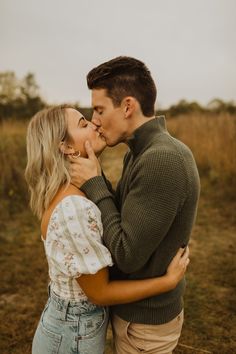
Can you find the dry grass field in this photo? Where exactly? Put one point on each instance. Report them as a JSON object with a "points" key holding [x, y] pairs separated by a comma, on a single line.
{"points": [[210, 299]]}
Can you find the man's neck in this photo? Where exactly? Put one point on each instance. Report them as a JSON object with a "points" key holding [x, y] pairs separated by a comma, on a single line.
{"points": [[136, 123]]}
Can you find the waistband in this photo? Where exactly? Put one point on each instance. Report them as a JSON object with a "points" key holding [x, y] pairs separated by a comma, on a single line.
{"points": [[74, 307]]}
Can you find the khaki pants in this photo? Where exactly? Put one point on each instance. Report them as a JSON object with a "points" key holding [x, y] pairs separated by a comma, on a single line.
{"points": [[134, 338]]}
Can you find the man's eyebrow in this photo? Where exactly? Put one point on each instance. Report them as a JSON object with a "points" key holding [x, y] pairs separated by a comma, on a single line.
{"points": [[97, 107]]}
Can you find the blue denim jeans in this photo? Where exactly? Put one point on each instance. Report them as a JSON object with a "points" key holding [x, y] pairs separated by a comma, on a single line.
{"points": [[67, 327]]}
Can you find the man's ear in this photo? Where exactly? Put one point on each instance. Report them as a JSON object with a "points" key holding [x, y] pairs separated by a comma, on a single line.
{"points": [[129, 105], [65, 148]]}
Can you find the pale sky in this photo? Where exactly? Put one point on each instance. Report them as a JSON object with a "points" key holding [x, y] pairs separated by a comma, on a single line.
{"points": [[188, 45]]}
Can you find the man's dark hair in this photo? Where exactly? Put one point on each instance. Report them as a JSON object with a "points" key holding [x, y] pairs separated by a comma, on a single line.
{"points": [[125, 76]]}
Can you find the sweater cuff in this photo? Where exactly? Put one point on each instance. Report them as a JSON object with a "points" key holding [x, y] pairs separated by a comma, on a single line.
{"points": [[96, 189]]}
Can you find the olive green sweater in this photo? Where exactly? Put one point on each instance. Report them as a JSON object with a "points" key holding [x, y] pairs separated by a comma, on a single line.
{"points": [[150, 216]]}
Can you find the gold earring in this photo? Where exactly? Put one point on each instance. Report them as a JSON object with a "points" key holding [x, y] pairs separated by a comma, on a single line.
{"points": [[76, 154]]}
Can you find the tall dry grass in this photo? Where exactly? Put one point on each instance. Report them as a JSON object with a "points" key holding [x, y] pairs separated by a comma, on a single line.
{"points": [[212, 139], [211, 277], [13, 189]]}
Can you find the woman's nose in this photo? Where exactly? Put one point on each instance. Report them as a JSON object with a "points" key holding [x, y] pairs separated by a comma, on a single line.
{"points": [[93, 126]]}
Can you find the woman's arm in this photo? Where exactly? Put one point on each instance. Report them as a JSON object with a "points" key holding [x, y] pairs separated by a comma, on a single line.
{"points": [[103, 292]]}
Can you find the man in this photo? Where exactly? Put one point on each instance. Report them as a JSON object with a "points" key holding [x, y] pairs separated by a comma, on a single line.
{"points": [[153, 209]]}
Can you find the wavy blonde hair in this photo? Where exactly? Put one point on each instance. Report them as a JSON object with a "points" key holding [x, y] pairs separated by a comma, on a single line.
{"points": [[47, 168]]}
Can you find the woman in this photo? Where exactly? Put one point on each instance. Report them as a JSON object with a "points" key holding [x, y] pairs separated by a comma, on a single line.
{"points": [[75, 317]]}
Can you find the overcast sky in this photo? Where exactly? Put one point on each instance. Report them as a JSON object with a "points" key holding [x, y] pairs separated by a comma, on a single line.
{"points": [[189, 45]]}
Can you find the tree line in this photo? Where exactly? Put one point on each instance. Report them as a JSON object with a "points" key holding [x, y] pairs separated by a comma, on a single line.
{"points": [[20, 98]]}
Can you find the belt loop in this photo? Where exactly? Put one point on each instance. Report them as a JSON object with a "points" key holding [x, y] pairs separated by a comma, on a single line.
{"points": [[65, 307], [49, 289]]}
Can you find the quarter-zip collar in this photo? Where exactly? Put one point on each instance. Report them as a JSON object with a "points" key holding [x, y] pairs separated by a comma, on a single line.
{"points": [[144, 135]]}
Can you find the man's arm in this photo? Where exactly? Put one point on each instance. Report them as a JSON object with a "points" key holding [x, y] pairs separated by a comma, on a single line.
{"points": [[108, 183], [156, 191]]}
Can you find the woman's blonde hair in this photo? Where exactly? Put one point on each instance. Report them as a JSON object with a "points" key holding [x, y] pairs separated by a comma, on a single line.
{"points": [[47, 168]]}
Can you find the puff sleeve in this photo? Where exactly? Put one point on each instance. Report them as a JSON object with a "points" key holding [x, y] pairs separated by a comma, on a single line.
{"points": [[74, 239]]}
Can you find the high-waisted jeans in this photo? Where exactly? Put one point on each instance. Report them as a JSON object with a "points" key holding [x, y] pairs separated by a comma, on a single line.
{"points": [[67, 327]]}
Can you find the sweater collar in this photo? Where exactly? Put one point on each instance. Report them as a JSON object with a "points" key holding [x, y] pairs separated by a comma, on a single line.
{"points": [[143, 136]]}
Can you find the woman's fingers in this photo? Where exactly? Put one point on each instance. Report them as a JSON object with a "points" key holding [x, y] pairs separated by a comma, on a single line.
{"points": [[185, 253], [184, 259]]}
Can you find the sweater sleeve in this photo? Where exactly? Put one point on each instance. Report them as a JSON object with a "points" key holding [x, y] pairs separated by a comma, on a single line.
{"points": [[108, 183], [157, 189]]}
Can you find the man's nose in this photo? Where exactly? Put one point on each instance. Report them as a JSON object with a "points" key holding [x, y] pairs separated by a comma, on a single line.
{"points": [[95, 120]]}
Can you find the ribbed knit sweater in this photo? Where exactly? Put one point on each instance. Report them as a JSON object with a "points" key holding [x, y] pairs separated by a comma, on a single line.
{"points": [[150, 216]]}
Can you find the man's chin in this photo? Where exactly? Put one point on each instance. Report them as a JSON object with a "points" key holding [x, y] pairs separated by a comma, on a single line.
{"points": [[110, 143]]}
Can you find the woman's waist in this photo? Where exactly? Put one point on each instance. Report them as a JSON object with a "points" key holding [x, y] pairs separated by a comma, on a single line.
{"points": [[74, 306], [67, 288]]}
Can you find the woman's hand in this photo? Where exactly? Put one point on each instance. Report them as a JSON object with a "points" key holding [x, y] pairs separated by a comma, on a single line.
{"points": [[126, 291], [178, 266]]}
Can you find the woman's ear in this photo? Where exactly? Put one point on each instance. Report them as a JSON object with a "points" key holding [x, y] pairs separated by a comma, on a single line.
{"points": [[65, 148]]}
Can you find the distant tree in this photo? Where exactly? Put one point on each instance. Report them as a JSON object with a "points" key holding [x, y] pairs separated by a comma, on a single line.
{"points": [[184, 107], [86, 111], [219, 106], [19, 97], [29, 86]]}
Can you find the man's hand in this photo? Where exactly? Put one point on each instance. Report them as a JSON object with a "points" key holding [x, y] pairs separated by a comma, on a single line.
{"points": [[82, 169]]}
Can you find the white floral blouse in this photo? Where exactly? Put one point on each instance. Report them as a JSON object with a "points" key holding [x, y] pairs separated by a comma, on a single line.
{"points": [[74, 246]]}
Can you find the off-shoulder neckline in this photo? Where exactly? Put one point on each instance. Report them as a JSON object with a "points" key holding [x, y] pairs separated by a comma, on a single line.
{"points": [[57, 206]]}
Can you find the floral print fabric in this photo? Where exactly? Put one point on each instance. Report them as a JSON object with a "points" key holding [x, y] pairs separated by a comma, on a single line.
{"points": [[74, 246]]}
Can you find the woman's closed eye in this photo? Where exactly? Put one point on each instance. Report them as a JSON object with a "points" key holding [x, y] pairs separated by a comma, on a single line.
{"points": [[83, 123]]}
